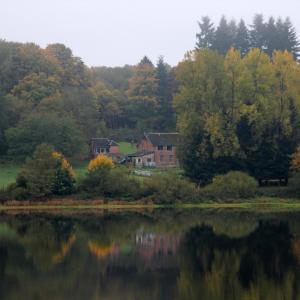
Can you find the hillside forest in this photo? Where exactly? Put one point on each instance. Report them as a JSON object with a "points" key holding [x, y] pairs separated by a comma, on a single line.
{"points": [[235, 99]]}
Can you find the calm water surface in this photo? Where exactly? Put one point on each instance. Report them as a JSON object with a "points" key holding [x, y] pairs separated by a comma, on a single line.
{"points": [[160, 254]]}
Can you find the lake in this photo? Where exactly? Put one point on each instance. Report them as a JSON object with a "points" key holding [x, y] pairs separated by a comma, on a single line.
{"points": [[160, 254]]}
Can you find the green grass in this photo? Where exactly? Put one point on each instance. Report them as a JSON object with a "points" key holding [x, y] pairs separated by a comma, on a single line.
{"points": [[8, 173], [127, 148]]}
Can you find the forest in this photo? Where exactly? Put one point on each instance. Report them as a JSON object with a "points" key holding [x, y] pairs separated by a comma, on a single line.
{"points": [[234, 99]]}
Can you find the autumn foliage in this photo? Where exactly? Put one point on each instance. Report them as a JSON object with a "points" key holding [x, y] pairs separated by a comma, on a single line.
{"points": [[46, 174], [100, 162], [295, 166]]}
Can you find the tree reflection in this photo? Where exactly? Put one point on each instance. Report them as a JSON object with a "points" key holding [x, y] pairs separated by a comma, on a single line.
{"points": [[261, 265], [157, 256]]}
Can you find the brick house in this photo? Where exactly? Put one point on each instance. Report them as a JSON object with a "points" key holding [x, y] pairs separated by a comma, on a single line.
{"points": [[104, 146], [161, 146]]}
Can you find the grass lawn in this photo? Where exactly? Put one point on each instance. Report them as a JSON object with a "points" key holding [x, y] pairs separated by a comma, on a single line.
{"points": [[8, 173], [127, 148]]}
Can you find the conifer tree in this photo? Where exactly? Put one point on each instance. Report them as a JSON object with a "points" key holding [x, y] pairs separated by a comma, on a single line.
{"points": [[242, 38], [257, 32], [271, 37], [292, 43], [224, 36], [205, 37], [164, 93]]}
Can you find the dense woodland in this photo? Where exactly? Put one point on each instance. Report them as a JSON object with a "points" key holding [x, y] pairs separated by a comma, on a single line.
{"points": [[235, 99]]}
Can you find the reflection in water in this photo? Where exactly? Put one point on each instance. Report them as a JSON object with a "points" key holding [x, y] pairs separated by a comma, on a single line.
{"points": [[181, 255]]}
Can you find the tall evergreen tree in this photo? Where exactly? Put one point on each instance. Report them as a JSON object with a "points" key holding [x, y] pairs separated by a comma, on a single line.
{"points": [[224, 39], [165, 120], [242, 38], [288, 36], [257, 32], [205, 37], [232, 29], [271, 37]]}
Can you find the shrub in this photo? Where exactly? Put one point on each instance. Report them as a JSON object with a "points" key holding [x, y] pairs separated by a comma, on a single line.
{"points": [[47, 173], [100, 162], [106, 179], [122, 184], [233, 185], [97, 182], [169, 189]]}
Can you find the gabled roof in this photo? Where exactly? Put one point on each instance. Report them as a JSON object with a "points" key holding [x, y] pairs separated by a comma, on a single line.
{"points": [[163, 139], [103, 142]]}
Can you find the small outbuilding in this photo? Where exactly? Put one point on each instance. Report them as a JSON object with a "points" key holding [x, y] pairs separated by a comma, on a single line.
{"points": [[142, 158]]}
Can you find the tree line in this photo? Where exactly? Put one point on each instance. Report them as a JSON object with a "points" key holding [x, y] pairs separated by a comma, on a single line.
{"points": [[49, 95], [268, 35]]}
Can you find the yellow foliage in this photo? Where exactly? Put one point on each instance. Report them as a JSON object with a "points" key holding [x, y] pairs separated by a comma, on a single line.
{"points": [[101, 161], [64, 164], [58, 258], [102, 251], [296, 161]]}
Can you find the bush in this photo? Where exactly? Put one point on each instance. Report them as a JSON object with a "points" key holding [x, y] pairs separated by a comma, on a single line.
{"points": [[107, 180], [169, 189], [122, 184], [47, 173], [97, 181], [231, 186]]}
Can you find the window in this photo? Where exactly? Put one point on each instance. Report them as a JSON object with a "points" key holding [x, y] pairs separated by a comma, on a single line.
{"points": [[169, 147], [160, 147], [171, 158], [139, 160], [149, 159], [97, 150], [103, 150], [161, 158]]}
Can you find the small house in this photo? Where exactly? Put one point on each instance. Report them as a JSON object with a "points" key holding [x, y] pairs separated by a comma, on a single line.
{"points": [[104, 146]]}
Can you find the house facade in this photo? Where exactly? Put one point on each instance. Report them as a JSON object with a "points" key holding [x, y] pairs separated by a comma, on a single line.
{"points": [[163, 147], [104, 146]]}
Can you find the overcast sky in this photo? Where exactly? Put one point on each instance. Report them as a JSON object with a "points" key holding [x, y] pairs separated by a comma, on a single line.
{"points": [[118, 32]]}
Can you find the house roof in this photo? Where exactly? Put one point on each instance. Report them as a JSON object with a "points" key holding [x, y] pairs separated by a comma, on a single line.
{"points": [[103, 142], [163, 139], [140, 153]]}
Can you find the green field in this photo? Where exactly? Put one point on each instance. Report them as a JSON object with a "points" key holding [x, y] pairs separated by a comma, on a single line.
{"points": [[127, 148], [8, 173]]}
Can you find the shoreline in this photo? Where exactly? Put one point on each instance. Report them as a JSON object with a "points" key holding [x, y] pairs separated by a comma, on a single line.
{"points": [[64, 204]]}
